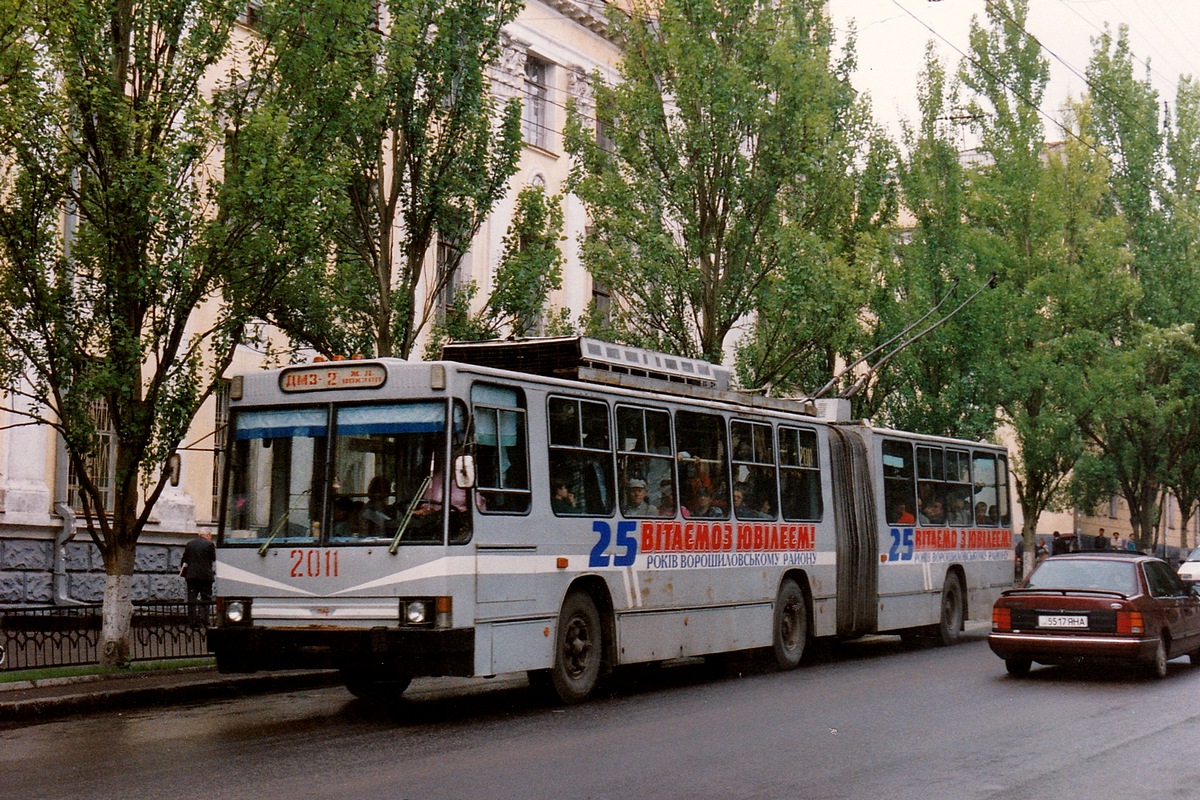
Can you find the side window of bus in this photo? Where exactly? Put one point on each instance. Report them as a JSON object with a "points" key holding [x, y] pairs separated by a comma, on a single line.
{"points": [[644, 472], [931, 486], [703, 466], [1005, 516], [501, 456], [899, 495], [754, 478], [580, 457], [987, 500], [958, 487], [800, 475]]}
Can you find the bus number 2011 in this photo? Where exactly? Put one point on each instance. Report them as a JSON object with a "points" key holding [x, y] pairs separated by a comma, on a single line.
{"points": [[314, 563]]}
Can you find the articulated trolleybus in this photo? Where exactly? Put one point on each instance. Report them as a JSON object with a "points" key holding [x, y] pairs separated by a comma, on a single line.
{"points": [[565, 506]]}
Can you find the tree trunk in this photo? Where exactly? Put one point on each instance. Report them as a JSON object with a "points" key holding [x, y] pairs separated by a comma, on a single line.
{"points": [[116, 644]]}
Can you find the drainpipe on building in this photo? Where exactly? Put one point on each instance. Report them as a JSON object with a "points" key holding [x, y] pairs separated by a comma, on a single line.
{"points": [[64, 535]]}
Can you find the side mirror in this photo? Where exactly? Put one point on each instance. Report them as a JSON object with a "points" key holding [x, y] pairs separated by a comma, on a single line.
{"points": [[464, 472]]}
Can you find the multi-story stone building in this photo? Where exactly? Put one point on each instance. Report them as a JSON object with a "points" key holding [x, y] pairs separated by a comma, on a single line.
{"points": [[550, 54]]}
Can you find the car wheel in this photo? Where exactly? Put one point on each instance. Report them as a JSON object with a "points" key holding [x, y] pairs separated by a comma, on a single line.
{"points": [[579, 651], [948, 630], [1018, 667], [791, 625], [1158, 667]]}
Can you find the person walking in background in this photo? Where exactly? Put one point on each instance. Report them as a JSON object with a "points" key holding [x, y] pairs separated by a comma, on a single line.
{"points": [[198, 568], [1101, 541], [1059, 545]]}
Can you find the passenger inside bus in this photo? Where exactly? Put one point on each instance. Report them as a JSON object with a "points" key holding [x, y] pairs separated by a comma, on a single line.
{"points": [[702, 505], [562, 499], [379, 511], [636, 504], [666, 498], [901, 515]]}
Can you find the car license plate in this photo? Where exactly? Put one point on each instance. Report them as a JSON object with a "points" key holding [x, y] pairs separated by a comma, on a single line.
{"points": [[1061, 621]]}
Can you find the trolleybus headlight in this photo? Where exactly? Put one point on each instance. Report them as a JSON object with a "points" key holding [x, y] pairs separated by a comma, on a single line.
{"points": [[415, 612], [235, 611]]}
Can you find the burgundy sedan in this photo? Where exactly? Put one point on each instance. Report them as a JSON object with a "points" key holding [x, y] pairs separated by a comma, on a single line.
{"points": [[1114, 607]]}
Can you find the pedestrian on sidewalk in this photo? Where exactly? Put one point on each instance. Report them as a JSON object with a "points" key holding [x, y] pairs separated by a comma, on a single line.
{"points": [[198, 568]]}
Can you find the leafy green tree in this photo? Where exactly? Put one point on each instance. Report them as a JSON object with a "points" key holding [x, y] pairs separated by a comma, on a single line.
{"points": [[1036, 218], [419, 146], [732, 122], [128, 267], [529, 269], [933, 385]]}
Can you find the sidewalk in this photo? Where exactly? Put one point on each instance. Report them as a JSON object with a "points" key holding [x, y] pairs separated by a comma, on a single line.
{"points": [[27, 701]]}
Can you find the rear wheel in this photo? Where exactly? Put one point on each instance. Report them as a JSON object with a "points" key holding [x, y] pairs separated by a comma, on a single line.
{"points": [[1158, 667], [579, 649], [1018, 667], [951, 624], [791, 625]]}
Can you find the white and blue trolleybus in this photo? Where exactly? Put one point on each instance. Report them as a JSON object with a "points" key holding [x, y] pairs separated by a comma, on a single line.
{"points": [[565, 506]]}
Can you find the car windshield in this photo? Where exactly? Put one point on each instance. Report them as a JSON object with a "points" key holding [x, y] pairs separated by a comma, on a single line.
{"points": [[1085, 574], [1194, 555]]}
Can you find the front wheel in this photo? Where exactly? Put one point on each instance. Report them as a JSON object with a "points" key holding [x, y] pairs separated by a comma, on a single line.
{"points": [[374, 685], [791, 625], [579, 649], [951, 624]]}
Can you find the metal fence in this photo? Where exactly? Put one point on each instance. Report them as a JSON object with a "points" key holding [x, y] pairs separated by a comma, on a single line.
{"points": [[65, 636]]}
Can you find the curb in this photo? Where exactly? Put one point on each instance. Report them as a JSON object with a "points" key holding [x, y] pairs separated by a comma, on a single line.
{"points": [[87, 697]]}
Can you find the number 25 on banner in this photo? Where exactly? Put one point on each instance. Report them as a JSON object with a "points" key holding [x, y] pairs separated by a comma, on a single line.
{"points": [[626, 539]]}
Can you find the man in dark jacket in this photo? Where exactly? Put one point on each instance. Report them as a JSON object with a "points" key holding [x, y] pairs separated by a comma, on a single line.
{"points": [[198, 568]]}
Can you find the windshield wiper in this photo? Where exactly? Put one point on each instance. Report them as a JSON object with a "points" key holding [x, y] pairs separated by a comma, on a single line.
{"points": [[262, 551], [408, 513]]}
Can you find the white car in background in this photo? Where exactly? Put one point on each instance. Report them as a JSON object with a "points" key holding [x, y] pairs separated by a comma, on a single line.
{"points": [[1189, 570]]}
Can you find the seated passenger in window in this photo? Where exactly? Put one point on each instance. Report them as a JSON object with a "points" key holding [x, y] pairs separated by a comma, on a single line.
{"points": [[702, 505], [959, 514], [934, 512], [901, 515], [742, 509], [562, 499], [666, 498], [636, 504], [379, 511], [346, 520]]}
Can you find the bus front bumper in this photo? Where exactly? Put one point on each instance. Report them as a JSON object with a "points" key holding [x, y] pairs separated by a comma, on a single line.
{"points": [[413, 651]]}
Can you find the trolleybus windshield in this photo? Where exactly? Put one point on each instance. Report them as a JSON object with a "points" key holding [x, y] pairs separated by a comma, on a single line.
{"points": [[383, 469]]}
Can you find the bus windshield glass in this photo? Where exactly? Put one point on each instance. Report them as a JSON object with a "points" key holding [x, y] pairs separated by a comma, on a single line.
{"points": [[290, 481]]}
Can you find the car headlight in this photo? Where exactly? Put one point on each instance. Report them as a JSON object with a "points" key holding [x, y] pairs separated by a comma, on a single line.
{"points": [[415, 612], [235, 611]]}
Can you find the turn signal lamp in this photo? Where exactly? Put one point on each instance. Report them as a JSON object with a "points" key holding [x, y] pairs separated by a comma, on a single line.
{"points": [[1001, 618]]}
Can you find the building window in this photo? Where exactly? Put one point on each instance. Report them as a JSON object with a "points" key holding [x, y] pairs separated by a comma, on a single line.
{"points": [[1112, 506], [101, 462], [448, 259], [604, 130], [220, 442], [536, 119], [602, 302], [251, 14]]}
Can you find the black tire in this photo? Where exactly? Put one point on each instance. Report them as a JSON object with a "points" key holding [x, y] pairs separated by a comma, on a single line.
{"points": [[791, 625], [1018, 667], [578, 650], [374, 685], [950, 627], [1158, 666]]}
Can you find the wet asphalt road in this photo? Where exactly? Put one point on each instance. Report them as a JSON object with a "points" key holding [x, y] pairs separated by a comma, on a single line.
{"points": [[867, 720]]}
